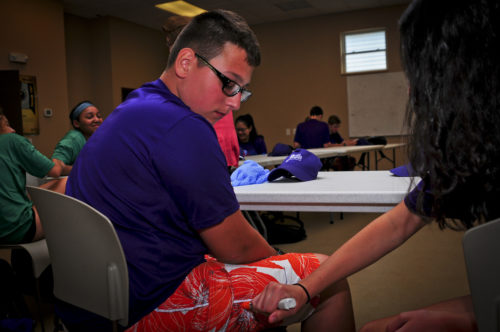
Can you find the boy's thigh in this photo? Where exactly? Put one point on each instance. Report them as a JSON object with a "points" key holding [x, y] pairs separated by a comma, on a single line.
{"points": [[211, 296]]}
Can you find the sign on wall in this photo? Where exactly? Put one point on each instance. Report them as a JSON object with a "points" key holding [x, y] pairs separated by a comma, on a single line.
{"points": [[29, 107]]}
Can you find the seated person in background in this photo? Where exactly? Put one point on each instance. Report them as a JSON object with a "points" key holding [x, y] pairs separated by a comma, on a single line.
{"points": [[312, 133], [343, 163], [166, 189], [250, 142], [19, 221], [85, 119], [335, 138], [454, 147]]}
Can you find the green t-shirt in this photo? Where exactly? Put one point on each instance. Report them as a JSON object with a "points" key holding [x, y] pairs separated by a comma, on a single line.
{"points": [[17, 156], [69, 147]]}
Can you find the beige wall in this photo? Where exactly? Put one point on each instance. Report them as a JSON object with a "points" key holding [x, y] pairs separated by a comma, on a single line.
{"points": [[87, 56], [75, 59], [138, 55], [36, 28], [106, 54], [301, 68]]}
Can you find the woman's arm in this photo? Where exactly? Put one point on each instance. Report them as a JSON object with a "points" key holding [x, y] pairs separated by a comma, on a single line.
{"points": [[378, 238]]}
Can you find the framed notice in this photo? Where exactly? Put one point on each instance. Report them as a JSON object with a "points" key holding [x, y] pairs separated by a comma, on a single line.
{"points": [[29, 107]]}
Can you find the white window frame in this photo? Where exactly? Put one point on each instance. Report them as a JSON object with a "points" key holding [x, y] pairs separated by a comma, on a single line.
{"points": [[369, 52]]}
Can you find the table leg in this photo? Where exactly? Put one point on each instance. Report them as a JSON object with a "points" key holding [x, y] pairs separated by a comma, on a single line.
{"points": [[394, 158]]}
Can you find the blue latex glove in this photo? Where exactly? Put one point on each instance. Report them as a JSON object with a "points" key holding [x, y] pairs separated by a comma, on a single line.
{"points": [[249, 173]]}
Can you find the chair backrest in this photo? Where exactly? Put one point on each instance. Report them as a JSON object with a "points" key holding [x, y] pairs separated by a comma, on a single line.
{"points": [[88, 263], [482, 258], [38, 252]]}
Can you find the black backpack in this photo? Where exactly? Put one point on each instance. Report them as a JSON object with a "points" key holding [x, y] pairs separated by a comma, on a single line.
{"points": [[377, 140], [282, 228]]}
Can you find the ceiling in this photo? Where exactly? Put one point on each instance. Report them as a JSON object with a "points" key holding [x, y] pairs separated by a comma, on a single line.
{"points": [[255, 12]]}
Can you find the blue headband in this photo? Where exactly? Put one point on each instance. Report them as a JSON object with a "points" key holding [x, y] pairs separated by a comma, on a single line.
{"points": [[76, 113]]}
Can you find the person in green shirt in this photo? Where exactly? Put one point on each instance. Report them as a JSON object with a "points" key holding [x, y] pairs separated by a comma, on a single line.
{"points": [[85, 119], [19, 220]]}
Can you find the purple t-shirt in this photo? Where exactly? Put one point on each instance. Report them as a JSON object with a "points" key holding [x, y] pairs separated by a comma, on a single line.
{"points": [[335, 138], [411, 200], [156, 170], [258, 146], [312, 134]]}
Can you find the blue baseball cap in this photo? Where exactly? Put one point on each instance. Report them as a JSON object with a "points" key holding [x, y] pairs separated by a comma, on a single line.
{"points": [[300, 163], [281, 149]]}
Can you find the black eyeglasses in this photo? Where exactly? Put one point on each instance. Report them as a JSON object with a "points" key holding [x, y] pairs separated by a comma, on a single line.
{"points": [[229, 87]]}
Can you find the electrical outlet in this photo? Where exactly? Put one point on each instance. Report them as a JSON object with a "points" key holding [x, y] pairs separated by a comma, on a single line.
{"points": [[47, 112]]}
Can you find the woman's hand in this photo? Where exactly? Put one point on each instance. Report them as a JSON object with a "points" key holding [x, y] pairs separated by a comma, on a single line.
{"points": [[267, 301], [432, 321]]}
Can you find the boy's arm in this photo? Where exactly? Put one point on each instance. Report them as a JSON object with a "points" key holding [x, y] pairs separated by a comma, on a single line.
{"points": [[235, 241]]}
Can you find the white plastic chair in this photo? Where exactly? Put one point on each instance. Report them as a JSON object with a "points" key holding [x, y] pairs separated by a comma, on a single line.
{"points": [[88, 263], [482, 258], [40, 260]]}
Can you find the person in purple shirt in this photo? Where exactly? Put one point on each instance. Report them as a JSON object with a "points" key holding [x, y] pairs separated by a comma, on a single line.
{"points": [[450, 55], [312, 133], [335, 138], [250, 142], [156, 170], [341, 163]]}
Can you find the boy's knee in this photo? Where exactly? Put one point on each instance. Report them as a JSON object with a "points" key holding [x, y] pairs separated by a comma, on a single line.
{"points": [[321, 257]]}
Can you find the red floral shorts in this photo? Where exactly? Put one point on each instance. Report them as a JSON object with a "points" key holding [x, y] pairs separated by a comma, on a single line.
{"points": [[211, 296]]}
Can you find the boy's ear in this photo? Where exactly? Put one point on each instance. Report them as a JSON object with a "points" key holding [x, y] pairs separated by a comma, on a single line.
{"points": [[184, 62]]}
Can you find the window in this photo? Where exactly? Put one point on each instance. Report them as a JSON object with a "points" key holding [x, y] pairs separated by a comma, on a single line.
{"points": [[363, 51]]}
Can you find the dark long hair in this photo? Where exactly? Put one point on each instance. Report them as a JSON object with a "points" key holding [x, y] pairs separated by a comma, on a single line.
{"points": [[450, 51]]}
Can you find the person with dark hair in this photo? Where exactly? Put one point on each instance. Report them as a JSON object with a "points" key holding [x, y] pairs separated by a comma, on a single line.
{"points": [[166, 189], [342, 163], [450, 55], [85, 119], [335, 138], [19, 220], [250, 142], [312, 133]]}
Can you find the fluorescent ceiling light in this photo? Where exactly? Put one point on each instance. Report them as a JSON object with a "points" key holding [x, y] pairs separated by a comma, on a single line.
{"points": [[181, 8]]}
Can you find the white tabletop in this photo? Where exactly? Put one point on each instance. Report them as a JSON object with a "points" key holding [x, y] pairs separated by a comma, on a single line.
{"points": [[393, 146], [369, 191], [265, 160], [335, 151]]}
